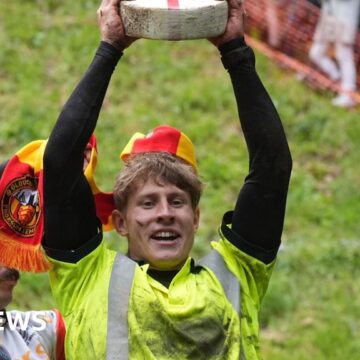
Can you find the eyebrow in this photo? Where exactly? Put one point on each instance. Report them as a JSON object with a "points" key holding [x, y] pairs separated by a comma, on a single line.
{"points": [[179, 192]]}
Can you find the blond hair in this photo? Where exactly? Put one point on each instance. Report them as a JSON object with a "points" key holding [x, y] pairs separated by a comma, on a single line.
{"points": [[160, 167]]}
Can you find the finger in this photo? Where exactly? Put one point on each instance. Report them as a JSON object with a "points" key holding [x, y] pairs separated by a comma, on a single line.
{"points": [[103, 5], [108, 6], [235, 4]]}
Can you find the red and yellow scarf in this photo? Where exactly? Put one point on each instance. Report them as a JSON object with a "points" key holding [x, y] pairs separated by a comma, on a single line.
{"points": [[22, 207]]}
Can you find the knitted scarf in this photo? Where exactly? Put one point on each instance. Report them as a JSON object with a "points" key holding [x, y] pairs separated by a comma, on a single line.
{"points": [[22, 207]]}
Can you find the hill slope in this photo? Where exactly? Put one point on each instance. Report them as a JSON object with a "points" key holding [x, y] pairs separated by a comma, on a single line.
{"points": [[312, 309]]}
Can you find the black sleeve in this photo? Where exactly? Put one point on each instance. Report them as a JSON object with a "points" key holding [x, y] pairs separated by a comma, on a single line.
{"points": [[258, 217], [70, 216]]}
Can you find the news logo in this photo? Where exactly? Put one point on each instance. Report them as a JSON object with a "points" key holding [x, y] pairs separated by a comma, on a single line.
{"points": [[22, 320]]}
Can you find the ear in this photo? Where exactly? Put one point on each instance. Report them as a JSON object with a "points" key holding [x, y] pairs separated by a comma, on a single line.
{"points": [[196, 218], [119, 221]]}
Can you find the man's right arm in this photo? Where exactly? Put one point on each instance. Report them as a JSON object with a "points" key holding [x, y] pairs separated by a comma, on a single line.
{"points": [[70, 218], [71, 225]]}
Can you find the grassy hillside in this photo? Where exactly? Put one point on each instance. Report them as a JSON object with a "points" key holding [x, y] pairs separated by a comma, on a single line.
{"points": [[312, 309]]}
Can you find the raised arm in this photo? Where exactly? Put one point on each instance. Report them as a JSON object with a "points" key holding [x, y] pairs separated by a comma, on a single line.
{"points": [[70, 217], [257, 220]]}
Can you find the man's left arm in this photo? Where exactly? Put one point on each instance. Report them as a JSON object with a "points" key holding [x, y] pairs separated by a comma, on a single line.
{"points": [[257, 220], [256, 224]]}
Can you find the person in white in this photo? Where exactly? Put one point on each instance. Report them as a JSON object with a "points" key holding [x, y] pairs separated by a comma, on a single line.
{"points": [[337, 25], [272, 17], [35, 335]]}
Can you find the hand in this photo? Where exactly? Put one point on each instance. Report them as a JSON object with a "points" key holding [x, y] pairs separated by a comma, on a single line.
{"points": [[111, 25], [235, 24]]}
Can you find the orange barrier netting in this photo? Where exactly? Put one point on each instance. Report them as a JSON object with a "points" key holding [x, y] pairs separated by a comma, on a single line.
{"points": [[289, 25]]}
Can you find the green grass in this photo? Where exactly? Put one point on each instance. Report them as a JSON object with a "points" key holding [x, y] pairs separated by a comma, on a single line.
{"points": [[312, 308]]}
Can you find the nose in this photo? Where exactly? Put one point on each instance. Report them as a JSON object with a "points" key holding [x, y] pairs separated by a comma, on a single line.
{"points": [[165, 212]]}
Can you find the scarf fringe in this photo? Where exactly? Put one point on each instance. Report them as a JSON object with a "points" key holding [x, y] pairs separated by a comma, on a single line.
{"points": [[22, 257]]}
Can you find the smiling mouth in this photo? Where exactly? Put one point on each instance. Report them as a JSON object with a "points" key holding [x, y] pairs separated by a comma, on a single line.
{"points": [[165, 236]]}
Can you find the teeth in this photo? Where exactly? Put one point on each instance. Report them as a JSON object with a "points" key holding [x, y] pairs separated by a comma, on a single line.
{"points": [[165, 235]]}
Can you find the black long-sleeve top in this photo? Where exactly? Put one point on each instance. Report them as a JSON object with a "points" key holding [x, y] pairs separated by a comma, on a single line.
{"points": [[72, 229]]}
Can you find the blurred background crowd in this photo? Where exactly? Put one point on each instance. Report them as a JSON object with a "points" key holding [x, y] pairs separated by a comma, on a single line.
{"points": [[318, 39]]}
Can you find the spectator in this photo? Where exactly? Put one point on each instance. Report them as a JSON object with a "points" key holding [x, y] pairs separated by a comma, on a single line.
{"points": [[273, 21], [42, 336], [337, 26]]}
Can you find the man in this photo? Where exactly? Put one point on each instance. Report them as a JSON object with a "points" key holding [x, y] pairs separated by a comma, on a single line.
{"points": [[338, 26], [32, 335], [158, 303]]}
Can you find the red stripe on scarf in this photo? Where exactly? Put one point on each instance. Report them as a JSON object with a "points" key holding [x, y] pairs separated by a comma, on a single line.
{"points": [[104, 206], [60, 336]]}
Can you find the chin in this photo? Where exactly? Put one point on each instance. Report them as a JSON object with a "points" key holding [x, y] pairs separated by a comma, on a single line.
{"points": [[167, 263]]}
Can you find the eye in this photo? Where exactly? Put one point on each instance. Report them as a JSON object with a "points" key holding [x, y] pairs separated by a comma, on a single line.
{"points": [[147, 203], [177, 202]]}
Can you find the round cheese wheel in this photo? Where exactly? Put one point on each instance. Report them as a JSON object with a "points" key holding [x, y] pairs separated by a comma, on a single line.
{"points": [[174, 19]]}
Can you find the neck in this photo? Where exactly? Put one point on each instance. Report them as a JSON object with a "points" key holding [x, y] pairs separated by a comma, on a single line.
{"points": [[163, 276]]}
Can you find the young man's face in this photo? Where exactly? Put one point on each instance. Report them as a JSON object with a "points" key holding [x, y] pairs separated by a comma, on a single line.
{"points": [[160, 225], [8, 280]]}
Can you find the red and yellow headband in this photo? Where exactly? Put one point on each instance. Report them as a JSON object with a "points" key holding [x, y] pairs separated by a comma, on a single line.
{"points": [[163, 138]]}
